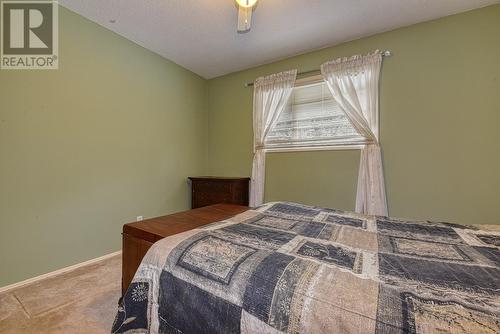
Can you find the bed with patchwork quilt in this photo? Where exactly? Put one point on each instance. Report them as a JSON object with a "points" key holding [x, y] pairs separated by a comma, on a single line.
{"points": [[290, 268]]}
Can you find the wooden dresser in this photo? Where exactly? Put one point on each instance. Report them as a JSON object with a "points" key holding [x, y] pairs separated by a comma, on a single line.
{"points": [[208, 190], [139, 236]]}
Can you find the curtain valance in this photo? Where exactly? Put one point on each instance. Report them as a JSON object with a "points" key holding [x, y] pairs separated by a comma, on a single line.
{"points": [[352, 65]]}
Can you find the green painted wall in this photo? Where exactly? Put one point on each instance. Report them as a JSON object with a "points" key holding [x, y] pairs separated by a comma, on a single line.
{"points": [[440, 113], [111, 135]]}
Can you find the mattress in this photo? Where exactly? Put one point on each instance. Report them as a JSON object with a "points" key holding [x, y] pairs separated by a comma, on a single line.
{"points": [[290, 268]]}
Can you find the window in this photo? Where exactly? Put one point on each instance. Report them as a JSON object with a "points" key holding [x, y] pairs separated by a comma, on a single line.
{"points": [[312, 118]]}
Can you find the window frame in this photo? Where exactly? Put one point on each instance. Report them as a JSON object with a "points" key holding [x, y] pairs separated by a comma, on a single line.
{"points": [[319, 145]]}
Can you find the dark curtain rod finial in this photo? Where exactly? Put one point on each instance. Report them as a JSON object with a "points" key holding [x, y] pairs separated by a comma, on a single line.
{"points": [[385, 53]]}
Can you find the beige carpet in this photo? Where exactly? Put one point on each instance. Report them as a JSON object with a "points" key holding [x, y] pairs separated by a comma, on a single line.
{"points": [[81, 301]]}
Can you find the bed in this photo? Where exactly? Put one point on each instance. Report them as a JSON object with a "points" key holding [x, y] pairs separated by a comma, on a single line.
{"points": [[291, 268]]}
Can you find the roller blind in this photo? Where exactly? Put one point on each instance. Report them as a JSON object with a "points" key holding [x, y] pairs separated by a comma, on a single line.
{"points": [[312, 118]]}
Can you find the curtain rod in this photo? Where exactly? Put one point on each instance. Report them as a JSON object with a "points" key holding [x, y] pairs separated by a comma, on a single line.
{"points": [[385, 53]]}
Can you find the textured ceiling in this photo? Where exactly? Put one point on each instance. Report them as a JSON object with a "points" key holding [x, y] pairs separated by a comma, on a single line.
{"points": [[201, 36]]}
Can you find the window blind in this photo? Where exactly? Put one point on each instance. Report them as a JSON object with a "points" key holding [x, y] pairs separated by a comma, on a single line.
{"points": [[312, 118]]}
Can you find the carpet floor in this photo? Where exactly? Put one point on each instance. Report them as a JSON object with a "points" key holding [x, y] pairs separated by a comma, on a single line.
{"points": [[84, 300]]}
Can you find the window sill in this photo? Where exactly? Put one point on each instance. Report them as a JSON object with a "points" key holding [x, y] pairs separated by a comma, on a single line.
{"points": [[314, 148]]}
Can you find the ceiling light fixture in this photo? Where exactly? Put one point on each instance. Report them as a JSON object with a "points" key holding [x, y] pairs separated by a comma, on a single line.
{"points": [[245, 14]]}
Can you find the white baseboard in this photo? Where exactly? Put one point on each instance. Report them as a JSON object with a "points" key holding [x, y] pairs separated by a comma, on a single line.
{"points": [[57, 272]]}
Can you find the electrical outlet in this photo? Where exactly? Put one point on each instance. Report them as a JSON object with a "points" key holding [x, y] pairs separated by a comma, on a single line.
{"points": [[139, 218]]}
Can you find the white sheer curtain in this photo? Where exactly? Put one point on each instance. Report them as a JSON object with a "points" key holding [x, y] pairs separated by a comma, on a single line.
{"points": [[353, 83], [270, 97]]}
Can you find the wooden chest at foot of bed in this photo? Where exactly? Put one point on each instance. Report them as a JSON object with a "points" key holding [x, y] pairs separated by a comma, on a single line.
{"points": [[138, 237]]}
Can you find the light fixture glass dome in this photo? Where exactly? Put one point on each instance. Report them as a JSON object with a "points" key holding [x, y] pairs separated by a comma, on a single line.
{"points": [[246, 3]]}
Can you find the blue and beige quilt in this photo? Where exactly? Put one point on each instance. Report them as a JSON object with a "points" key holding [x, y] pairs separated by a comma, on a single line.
{"points": [[290, 268]]}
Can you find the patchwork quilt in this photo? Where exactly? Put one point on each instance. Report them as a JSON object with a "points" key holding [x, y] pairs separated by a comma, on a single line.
{"points": [[290, 268]]}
